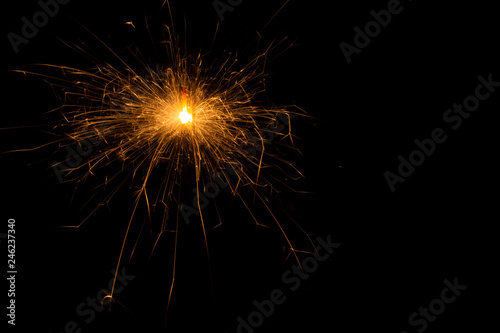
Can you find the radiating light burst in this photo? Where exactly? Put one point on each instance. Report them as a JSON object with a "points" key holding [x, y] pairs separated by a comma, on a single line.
{"points": [[180, 121], [185, 116]]}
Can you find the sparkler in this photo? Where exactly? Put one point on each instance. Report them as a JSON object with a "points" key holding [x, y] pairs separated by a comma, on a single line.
{"points": [[176, 122]]}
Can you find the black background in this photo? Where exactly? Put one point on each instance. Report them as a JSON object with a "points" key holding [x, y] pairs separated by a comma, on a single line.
{"points": [[397, 248]]}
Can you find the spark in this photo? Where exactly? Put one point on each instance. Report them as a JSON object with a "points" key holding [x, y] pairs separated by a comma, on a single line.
{"points": [[130, 23], [184, 115], [180, 122]]}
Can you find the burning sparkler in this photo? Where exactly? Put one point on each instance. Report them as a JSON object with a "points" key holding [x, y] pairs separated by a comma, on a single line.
{"points": [[162, 123], [184, 116]]}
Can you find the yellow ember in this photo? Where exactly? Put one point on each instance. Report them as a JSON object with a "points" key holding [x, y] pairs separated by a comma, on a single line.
{"points": [[185, 116]]}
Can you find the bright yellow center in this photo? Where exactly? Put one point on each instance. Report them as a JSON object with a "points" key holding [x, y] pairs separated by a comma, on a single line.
{"points": [[185, 116]]}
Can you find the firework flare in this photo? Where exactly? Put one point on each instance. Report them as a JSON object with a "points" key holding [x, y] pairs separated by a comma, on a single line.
{"points": [[173, 126]]}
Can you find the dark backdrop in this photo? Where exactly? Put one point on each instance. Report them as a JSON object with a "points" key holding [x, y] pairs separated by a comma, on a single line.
{"points": [[397, 247]]}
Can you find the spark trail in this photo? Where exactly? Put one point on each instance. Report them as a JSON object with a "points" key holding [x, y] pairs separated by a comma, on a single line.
{"points": [[182, 120]]}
